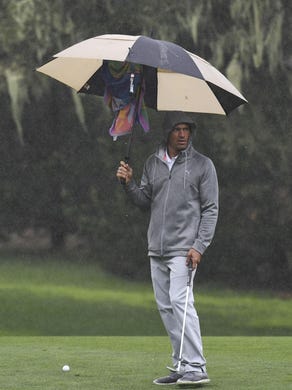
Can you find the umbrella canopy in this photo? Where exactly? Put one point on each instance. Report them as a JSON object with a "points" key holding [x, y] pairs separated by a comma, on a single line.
{"points": [[175, 79]]}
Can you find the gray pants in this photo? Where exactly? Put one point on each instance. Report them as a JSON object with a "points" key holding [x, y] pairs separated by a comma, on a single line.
{"points": [[169, 278]]}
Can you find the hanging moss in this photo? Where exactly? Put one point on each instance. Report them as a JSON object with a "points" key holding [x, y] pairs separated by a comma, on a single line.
{"points": [[17, 90], [258, 33], [79, 109], [234, 71], [274, 39]]}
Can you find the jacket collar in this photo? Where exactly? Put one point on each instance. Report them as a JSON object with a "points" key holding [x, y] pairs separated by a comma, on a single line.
{"points": [[182, 156]]}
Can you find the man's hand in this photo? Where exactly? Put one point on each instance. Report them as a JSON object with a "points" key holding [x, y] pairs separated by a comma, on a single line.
{"points": [[124, 172], [194, 257]]}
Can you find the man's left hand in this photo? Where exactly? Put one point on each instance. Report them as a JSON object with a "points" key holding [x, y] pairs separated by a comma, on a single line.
{"points": [[194, 257]]}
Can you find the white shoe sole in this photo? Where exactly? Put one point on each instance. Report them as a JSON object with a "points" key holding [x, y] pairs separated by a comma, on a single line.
{"points": [[165, 384], [200, 382]]}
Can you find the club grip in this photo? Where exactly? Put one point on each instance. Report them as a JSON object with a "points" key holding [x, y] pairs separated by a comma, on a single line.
{"points": [[190, 273]]}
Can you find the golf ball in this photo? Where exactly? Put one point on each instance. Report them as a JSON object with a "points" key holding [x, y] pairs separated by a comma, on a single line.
{"points": [[65, 368]]}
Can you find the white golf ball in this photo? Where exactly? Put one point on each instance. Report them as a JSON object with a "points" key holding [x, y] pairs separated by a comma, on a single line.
{"points": [[65, 368]]}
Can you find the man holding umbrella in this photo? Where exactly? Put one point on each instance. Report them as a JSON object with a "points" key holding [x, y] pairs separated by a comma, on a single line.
{"points": [[180, 186]]}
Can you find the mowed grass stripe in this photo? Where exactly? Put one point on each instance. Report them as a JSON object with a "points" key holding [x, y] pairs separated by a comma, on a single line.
{"points": [[50, 296], [120, 363]]}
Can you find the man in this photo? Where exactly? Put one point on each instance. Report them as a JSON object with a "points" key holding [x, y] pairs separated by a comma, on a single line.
{"points": [[180, 186]]}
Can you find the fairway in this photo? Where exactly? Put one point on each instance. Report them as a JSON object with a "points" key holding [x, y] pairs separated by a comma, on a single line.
{"points": [[49, 296], [125, 363], [54, 312]]}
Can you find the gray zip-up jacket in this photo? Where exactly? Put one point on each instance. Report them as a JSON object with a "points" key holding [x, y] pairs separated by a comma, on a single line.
{"points": [[183, 202]]}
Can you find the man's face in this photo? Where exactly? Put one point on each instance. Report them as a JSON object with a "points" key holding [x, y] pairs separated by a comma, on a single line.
{"points": [[178, 138]]}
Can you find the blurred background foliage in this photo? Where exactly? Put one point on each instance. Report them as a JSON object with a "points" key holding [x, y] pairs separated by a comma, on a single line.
{"points": [[58, 162]]}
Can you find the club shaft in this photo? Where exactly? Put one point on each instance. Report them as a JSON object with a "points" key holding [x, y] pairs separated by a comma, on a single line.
{"points": [[183, 329]]}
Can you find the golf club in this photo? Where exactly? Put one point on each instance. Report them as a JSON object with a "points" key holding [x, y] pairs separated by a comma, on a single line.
{"points": [[190, 272]]}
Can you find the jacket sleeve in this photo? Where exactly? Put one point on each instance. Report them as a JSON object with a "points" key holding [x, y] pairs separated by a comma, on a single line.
{"points": [[140, 196], [209, 208]]}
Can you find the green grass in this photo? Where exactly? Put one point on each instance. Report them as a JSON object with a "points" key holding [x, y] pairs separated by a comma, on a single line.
{"points": [[55, 312], [48, 296], [125, 363], [56, 297]]}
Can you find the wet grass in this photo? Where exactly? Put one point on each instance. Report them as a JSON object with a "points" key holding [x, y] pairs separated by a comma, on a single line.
{"points": [[55, 297], [120, 363], [54, 312], [51, 296]]}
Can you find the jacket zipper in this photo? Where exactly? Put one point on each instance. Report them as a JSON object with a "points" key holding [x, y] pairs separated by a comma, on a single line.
{"points": [[164, 212]]}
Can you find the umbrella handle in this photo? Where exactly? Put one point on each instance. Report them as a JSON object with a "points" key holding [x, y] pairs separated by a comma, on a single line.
{"points": [[123, 181]]}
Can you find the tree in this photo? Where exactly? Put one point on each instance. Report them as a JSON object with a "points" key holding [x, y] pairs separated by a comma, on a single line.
{"points": [[61, 175]]}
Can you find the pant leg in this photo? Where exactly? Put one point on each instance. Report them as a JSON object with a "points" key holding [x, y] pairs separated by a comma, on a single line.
{"points": [[169, 278], [192, 355], [160, 274]]}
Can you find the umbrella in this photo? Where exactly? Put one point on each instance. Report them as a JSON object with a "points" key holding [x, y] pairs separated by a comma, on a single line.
{"points": [[170, 78], [175, 79]]}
